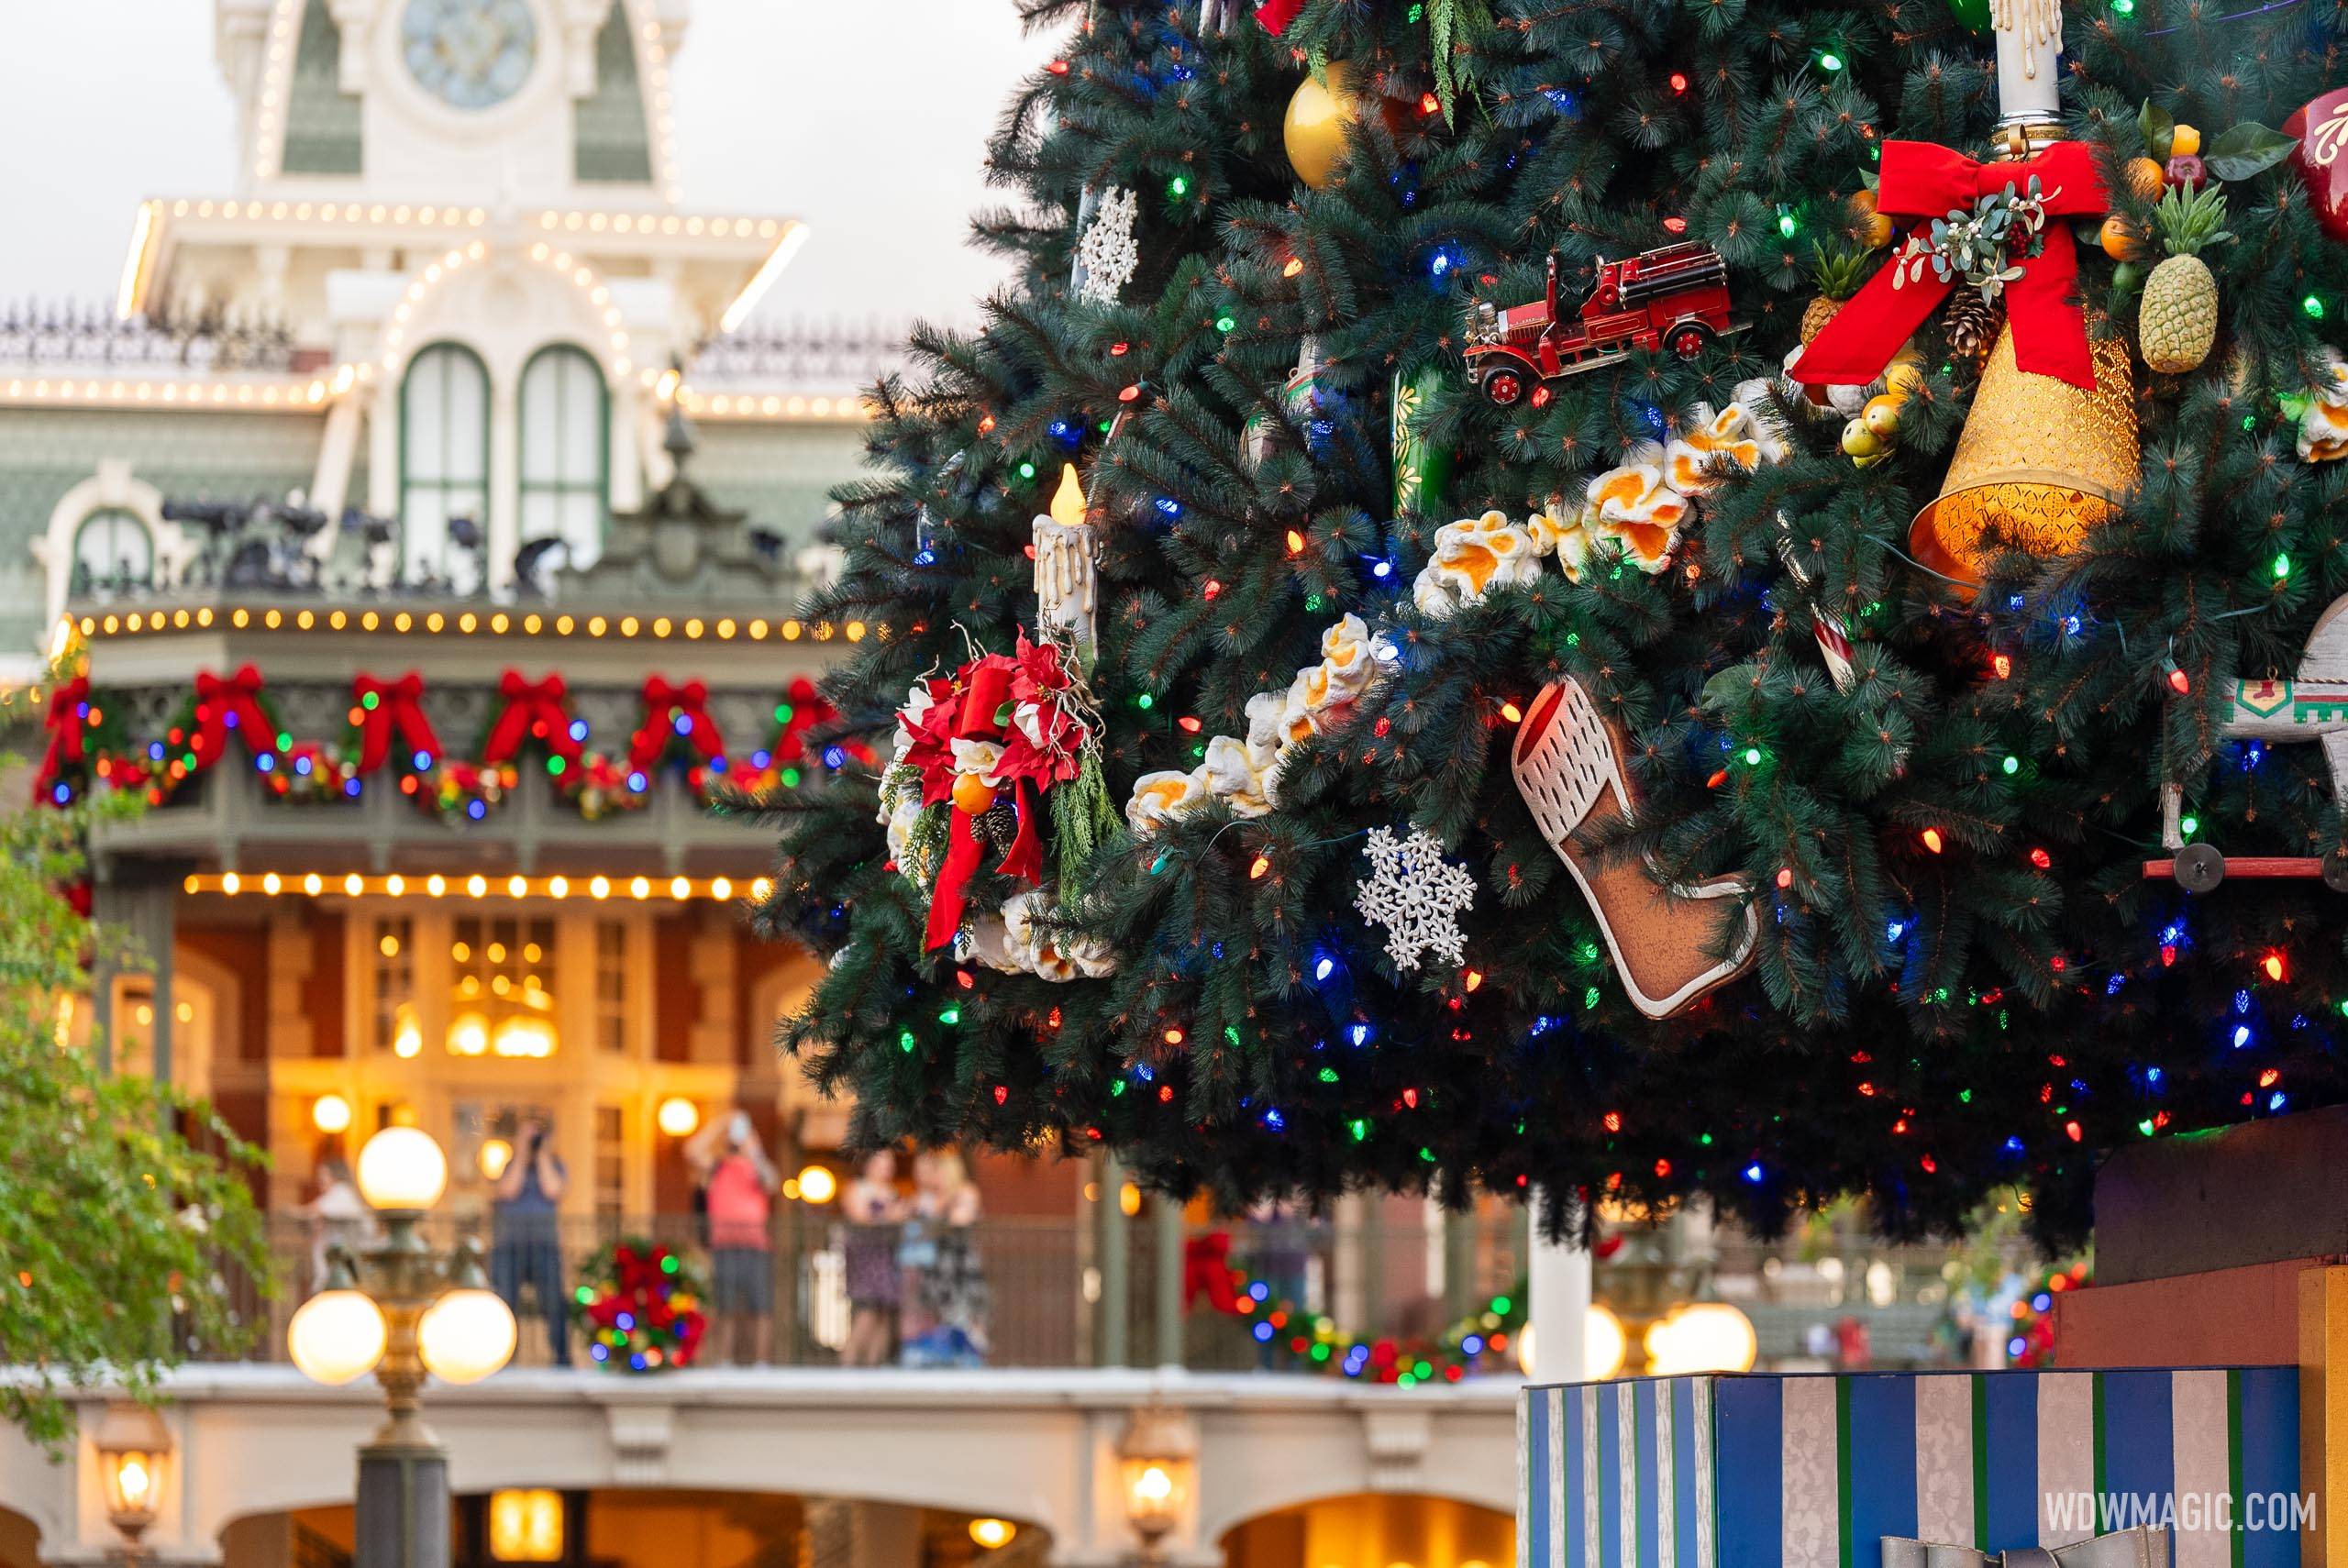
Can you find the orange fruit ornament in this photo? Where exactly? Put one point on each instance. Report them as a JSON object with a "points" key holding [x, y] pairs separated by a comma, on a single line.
{"points": [[2120, 241], [972, 794], [1874, 229], [2146, 178]]}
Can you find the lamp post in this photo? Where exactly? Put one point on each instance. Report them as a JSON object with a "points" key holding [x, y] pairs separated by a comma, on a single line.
{"points": [[1155, 1453], [403, 1311], [133, 1447]]}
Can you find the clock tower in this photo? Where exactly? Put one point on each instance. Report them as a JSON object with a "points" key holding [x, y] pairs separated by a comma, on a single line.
{"points": [[468, 100], [463, 213]]}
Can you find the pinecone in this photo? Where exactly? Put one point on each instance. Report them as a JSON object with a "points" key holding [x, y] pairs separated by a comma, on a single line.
{"points": [[1000, 824], [1971, 324]]}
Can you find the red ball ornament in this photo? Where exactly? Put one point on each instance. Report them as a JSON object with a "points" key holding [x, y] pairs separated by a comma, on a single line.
{"points": [[2321, 157]]}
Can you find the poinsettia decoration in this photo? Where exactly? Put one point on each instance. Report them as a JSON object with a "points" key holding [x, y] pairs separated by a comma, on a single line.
{"points": [[979, 756], [638, 1305]]}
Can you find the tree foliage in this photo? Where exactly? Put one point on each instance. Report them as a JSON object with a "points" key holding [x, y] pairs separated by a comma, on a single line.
{"points": [[124, 1206], [1930, 1018]]}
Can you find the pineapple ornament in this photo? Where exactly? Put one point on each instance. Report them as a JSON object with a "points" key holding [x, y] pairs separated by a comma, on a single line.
{"points": [[2177, 320], [1838, 274]]}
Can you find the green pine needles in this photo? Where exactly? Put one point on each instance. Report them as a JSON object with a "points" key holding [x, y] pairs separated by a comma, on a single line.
{"points": [[1963, 979]]}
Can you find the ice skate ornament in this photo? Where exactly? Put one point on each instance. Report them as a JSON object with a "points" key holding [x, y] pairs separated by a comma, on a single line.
{"points": [[1066, 590], [2313, 707], [1568, 766]]}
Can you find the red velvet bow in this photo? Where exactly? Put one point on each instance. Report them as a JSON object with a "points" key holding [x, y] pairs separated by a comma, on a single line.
{"points": [[397, 709], [538, 709], [1923, 180], [67, 707], [1273, 16], [988, 694], [689, 703], [220, 699], [1206, 1271]]}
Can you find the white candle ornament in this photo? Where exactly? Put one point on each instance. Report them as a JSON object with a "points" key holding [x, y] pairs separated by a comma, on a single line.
{"points": [[1065, 590], [2030, 49]]}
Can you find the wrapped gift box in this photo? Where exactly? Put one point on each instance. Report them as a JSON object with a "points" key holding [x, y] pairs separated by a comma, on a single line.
{"points": [[1814, 1471]]}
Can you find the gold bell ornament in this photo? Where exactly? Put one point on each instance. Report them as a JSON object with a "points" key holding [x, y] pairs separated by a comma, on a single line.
{"points": [[2039, 463]]}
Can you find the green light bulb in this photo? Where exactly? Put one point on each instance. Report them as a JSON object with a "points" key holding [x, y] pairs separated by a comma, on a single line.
{"points": [[2012, 766]]}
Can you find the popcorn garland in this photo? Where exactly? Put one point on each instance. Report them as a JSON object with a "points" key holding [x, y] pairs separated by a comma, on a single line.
{"points": [[2323, 422], [1246, 778], [1635, 511]]}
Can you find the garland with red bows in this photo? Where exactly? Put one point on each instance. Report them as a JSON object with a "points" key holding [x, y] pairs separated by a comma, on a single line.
{"points": [[387, 727], [638, 1305]]}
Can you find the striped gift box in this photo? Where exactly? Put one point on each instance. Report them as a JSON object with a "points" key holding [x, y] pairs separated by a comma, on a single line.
{"points": [[1813, 1471]]}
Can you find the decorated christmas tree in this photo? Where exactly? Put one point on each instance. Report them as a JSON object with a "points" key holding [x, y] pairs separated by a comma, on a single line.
{"points": [[1612, 599]]}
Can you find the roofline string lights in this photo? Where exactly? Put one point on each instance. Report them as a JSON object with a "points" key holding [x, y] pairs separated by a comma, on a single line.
{"points": [[598, 888], [464, 622], [276, 91]]}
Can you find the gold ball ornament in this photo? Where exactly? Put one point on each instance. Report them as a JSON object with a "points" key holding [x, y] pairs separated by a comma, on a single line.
{"points": [[1315, 129]]}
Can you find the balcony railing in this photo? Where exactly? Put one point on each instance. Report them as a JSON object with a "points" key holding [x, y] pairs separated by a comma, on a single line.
{"points": [[1061, 1292]]}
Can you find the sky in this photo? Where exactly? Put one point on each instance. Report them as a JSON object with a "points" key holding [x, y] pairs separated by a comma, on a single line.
{"points": [[866, 118]]}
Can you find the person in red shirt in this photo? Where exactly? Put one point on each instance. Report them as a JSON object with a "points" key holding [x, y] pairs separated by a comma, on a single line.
{"points": [[739, 1183]]}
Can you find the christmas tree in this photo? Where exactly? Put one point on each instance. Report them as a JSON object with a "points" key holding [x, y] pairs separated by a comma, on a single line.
{"points": [[1612, 599]]}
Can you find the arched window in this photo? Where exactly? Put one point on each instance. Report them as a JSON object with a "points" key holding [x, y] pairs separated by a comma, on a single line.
{"points": [[444, 455], [565, 423], [111, 549]]}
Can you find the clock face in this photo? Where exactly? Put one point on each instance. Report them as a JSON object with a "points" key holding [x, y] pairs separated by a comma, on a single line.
{"points": [[470, 54]]}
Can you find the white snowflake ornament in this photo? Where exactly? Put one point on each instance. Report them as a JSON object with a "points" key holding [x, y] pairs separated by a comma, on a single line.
{"points": [[1416, 895], [1107, 256]]}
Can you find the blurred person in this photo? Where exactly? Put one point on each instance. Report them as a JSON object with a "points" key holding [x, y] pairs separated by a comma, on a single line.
{"points": [[337, 1214], [525, 1245], [872, 1210], [948, 1307], [739, 1183]]}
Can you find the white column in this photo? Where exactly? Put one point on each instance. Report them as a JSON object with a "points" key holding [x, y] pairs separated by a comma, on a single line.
{"points": [[1560, 1292], [503, 525], [330, 483]]}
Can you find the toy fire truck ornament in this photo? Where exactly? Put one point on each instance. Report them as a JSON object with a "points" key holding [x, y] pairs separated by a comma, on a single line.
{"points": [[1675, 298]]}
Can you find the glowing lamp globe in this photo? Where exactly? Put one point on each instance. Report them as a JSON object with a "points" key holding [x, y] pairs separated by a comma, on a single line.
{"points": [[466, 1335], [335, 1336], [818, 1185], [330, 1113], [679, 1116], [992, 1534], [1704, 1336], [1604, 1343], [402, 1169]]}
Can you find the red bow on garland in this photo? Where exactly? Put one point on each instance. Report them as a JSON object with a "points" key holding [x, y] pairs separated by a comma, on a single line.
{"points": [[397, 709], [229, 702], [665, 704], [68, 706], [987, 696], [532, 708], [1923, 180], [1206, 1271]]}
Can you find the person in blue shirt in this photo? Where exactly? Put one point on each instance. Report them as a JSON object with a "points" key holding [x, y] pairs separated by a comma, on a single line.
{"points": [[527, 1244]]}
